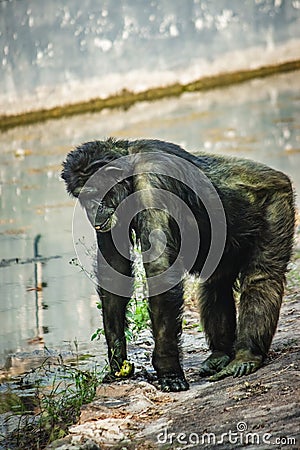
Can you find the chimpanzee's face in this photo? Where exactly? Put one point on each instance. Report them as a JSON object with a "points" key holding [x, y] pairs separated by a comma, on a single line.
{"points": [[100, 192], [100, 212]]}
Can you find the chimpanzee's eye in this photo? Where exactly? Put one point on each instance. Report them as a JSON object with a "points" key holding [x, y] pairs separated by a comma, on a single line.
{"points": [[99, 204]]}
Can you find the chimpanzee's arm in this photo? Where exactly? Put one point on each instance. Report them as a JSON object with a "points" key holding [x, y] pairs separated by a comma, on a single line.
{"points": [[113, 304]]}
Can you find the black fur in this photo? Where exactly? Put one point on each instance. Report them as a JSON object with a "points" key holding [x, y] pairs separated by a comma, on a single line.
{"points": [[259, 207]]}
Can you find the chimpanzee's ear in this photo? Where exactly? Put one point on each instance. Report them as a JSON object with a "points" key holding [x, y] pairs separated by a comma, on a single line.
{"points": [[115, 171]]}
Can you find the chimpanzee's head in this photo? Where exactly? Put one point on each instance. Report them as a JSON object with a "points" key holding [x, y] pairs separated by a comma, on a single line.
{"points": [[94, 176]]}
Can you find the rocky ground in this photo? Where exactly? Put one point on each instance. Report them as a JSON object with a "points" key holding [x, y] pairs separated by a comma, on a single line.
{"points": [[257, 412], [262, 409]]}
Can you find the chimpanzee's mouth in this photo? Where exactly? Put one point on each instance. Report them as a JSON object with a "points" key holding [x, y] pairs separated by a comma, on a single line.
{"points": [[107, 225], [103, 226]]}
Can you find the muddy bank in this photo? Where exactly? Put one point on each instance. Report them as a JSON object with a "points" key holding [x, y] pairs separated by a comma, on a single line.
{"points": [[125, 99], [260, 411]]}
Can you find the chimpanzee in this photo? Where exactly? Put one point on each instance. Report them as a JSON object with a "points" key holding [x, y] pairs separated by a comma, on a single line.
{"points": [[186, 210]]}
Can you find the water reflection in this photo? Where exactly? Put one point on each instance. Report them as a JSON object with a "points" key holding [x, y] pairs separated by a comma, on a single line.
{"points": [[54, 303]]}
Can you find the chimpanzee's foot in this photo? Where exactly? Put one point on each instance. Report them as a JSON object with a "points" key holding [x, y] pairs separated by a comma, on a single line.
{"points": [[243, 364], [125, 371], [173, 382], [214, 363]]}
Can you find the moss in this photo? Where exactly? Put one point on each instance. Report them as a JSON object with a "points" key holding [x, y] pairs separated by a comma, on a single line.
{"points": [[10, 402], [126, 98]]}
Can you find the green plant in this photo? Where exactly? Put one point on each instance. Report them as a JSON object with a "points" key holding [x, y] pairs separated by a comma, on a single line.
{"points": [[137, 318], [57, 405], [137, 313]]}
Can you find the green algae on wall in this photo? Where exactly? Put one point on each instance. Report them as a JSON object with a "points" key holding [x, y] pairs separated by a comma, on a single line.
{"points": [[126, 98]]}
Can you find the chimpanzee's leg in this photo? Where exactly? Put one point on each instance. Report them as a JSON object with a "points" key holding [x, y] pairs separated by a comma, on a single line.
{"points": [[262, 287], [113, 303], [218, 316], [166, 318]]}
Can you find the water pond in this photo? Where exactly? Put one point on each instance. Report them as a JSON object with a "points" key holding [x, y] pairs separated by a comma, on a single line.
{"points": [[50, 307]]}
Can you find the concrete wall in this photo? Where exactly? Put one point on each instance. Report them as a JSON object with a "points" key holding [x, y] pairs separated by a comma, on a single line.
{"points": [[54, 53]]}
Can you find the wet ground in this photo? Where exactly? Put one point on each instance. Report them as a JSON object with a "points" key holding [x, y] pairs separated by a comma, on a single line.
{"points": [[49, 308]]}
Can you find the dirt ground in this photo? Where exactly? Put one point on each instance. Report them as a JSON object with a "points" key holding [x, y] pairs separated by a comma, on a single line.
{"points": [[257, 412]]}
